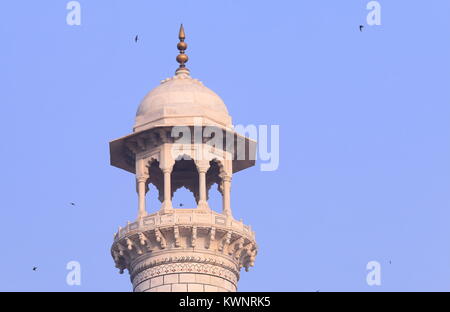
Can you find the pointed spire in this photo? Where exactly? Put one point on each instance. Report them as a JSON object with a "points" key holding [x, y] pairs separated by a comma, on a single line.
{"points": [[182, 58], [181, 34]]}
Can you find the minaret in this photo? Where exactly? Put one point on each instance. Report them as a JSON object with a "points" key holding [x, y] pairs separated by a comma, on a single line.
{"points": [[183, 137]]}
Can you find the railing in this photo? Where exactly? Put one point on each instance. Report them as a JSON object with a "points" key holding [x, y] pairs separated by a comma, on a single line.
{"points": [[187, 217]]}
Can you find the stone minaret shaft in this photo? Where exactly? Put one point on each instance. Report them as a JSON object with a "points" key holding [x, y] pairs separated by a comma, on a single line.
{"points": [[188, 249]]}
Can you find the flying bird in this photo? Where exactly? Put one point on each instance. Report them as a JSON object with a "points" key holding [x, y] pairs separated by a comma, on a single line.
{"points": [[34, 268], [181, 205], [136, 38], [72, 204], [361, 27]]}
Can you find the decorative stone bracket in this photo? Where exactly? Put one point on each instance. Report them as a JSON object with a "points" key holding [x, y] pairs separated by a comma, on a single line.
{"points": [[181, 231]]}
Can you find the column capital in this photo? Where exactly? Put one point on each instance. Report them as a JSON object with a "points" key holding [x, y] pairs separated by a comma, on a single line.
{"points": [[142, 178], [202, 165], [225, 177]]}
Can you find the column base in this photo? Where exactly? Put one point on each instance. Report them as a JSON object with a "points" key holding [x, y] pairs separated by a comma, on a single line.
{"points": [[227, 214], [142, 215], [166, 207], [203, 205]]}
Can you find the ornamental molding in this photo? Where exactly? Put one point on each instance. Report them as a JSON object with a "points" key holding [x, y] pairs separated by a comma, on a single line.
{"points": [[187, 264]]}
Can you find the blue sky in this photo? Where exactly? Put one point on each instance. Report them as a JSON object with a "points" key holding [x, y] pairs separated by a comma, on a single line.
{"points": [[364, 135]]}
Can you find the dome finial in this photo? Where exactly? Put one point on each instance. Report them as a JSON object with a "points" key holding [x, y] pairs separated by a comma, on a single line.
{"points": [[182, 58]]}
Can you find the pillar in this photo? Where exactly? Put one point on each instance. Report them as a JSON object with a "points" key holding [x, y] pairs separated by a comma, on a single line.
{"points": [[167, 204], [202, 169], [226, 190], [142, 175], [142, 190]]}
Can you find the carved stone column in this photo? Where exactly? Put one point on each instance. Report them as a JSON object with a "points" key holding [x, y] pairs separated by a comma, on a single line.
{"points": [[141, 182], [167, 204], [202, 169], [226, 191]]}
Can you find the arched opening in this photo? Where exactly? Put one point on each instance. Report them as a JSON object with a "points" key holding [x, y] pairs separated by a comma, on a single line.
{"points": [[215, 198], [213, 183], [183, 199], [184, 180], [152, 200], [155, 187]]}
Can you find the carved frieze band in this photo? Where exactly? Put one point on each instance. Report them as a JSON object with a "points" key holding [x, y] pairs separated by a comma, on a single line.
{"points": [[186, 266]]}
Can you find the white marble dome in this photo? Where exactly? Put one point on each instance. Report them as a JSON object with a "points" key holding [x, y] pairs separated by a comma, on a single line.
{"points": [[177, 101]]}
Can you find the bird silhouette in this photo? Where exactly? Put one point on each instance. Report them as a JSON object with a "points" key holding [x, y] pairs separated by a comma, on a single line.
{"points": [[72, 204], [34, 268], [361, 27], [181, 205], [136, 38]]}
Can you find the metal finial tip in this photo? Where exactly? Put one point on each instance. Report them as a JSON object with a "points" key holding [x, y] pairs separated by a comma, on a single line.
{"points": [[182, 58], [181, 34]]}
